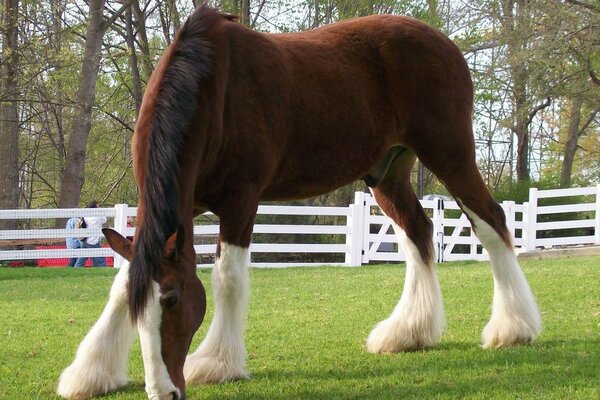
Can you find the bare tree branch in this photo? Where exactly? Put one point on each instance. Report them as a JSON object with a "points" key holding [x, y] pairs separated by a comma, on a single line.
{"points": [[584, 5], [482, 46], [260, 7], [538, 108], [116, 15], [588, 122], [593, 76]]}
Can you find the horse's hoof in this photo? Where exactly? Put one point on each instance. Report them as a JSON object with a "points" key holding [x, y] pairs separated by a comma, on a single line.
{"points": [[202, 370], [499, 334], [80, 383], [394, 336], [169, 396]]}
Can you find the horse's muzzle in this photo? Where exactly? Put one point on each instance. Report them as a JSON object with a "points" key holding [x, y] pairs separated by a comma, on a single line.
{"points": [[177, 396]]}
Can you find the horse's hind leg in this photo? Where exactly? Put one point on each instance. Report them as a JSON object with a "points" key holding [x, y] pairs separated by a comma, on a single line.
{"points": [[515, 317], [418, 319], [100, 365]]}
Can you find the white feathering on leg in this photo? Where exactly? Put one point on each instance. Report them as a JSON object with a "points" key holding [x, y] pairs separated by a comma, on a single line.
{"points": [[515, 316], [418, 319], [222, 354], [100, 365]]}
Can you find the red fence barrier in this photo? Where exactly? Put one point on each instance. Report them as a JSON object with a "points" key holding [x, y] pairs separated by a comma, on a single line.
{"points": [[63, 262]]}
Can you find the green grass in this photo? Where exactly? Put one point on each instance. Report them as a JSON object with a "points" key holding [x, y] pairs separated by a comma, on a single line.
{"points": [[306, 330]]}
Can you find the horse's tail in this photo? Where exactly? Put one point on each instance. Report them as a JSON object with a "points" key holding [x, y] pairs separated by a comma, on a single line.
{"points": [[186, 66]]}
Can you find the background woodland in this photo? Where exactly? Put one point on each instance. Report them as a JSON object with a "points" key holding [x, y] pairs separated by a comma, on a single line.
{"points": [[73, 72]]}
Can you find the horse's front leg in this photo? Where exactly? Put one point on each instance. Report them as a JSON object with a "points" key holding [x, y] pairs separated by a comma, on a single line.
{"points": [[100, 365], [222, 354]]}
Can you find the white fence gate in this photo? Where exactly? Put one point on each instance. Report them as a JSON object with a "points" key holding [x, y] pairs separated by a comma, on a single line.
{"points": [[359, 233]]}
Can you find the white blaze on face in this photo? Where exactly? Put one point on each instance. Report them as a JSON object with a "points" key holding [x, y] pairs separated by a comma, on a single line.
{"points": [[158, 383]]}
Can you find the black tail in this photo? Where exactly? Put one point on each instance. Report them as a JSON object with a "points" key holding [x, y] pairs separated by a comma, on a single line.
{"points": [[175, 108]]}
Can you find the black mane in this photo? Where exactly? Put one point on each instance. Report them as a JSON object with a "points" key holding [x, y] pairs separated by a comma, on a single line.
{"points": [[175, 108]]}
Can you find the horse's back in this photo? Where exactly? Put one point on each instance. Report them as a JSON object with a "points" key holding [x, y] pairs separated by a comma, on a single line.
{"points": [[299, 101]]}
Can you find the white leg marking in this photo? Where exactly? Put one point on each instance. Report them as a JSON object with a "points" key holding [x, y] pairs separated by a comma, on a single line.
{"points": [[418, 319], [100, 365], [515, 316], [222, 355], [158, 382]]}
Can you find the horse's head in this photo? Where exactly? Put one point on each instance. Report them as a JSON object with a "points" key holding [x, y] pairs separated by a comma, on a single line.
{"points": [[173, 311]]}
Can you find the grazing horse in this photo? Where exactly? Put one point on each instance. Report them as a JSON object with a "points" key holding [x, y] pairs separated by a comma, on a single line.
{"points": [[232, 117]]}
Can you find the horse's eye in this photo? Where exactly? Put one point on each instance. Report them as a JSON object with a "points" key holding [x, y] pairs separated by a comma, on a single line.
{"points": [[169, 299]]}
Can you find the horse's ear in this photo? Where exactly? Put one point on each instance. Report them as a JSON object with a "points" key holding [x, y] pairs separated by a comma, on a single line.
{"points": [[174, 243], [118, 243]]}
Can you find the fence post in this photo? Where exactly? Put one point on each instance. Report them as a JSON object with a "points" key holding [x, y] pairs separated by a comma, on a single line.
{"points": [[438, 229], [355, 223], [366, 231], [597, 215], [530, 232], [120, 225], [509, 212]]}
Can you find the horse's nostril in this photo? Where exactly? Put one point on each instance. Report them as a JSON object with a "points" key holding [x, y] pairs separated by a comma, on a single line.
{"points": [[177, 396]]}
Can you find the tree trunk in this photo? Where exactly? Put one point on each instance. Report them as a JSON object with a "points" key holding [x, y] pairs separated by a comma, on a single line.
{"points": [[140, 21], [245, 11], [70, 191], [512, 24], [133, 61], [58, 9], [521, 128], [571, 142], [174, 12], [9, 114]]}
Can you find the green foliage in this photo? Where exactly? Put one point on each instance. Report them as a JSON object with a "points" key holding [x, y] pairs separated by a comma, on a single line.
{"points": [[306, 329], [554, 42], [515, 191]]}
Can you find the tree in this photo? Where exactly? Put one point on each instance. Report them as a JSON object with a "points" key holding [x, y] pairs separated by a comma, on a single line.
{"points": [[517, 20], [574, 132], [140, 23], [521, 53], [580, 39], [72, 181], [9, 114]]}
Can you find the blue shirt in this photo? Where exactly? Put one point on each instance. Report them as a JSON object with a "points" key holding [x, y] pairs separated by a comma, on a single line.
{"points": [[72, 242]]}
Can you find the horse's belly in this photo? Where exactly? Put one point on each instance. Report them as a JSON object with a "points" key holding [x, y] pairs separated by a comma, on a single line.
{"points": [[320, 172]]}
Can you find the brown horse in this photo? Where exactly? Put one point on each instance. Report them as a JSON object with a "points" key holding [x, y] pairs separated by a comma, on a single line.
{"points": [[232, 117]]}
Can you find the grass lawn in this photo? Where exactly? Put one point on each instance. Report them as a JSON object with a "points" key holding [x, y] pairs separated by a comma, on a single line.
{"points": [[306, 330]]}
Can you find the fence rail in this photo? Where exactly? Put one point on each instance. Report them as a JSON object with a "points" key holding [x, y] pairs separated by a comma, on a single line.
{"points": [[356, 234]]}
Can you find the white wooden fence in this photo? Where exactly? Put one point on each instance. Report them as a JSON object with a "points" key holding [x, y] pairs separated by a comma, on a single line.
{"points": [[356, 234]]}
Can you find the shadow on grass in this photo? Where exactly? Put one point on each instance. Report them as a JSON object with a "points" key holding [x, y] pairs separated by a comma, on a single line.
{"points": [[552, 369]]}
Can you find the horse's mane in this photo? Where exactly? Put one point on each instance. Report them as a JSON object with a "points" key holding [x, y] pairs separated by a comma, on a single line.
{"points": [[174, 110]]}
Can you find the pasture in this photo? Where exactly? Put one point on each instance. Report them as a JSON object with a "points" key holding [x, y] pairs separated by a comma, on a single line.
{"points": [[306, 330]]}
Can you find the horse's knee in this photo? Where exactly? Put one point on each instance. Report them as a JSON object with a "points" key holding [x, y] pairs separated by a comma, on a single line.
{"points": [[230, 276]]}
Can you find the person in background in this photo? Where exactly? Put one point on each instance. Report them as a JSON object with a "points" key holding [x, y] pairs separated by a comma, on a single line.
{"points": [[130, 225], [92, 242], [72, 242]]}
